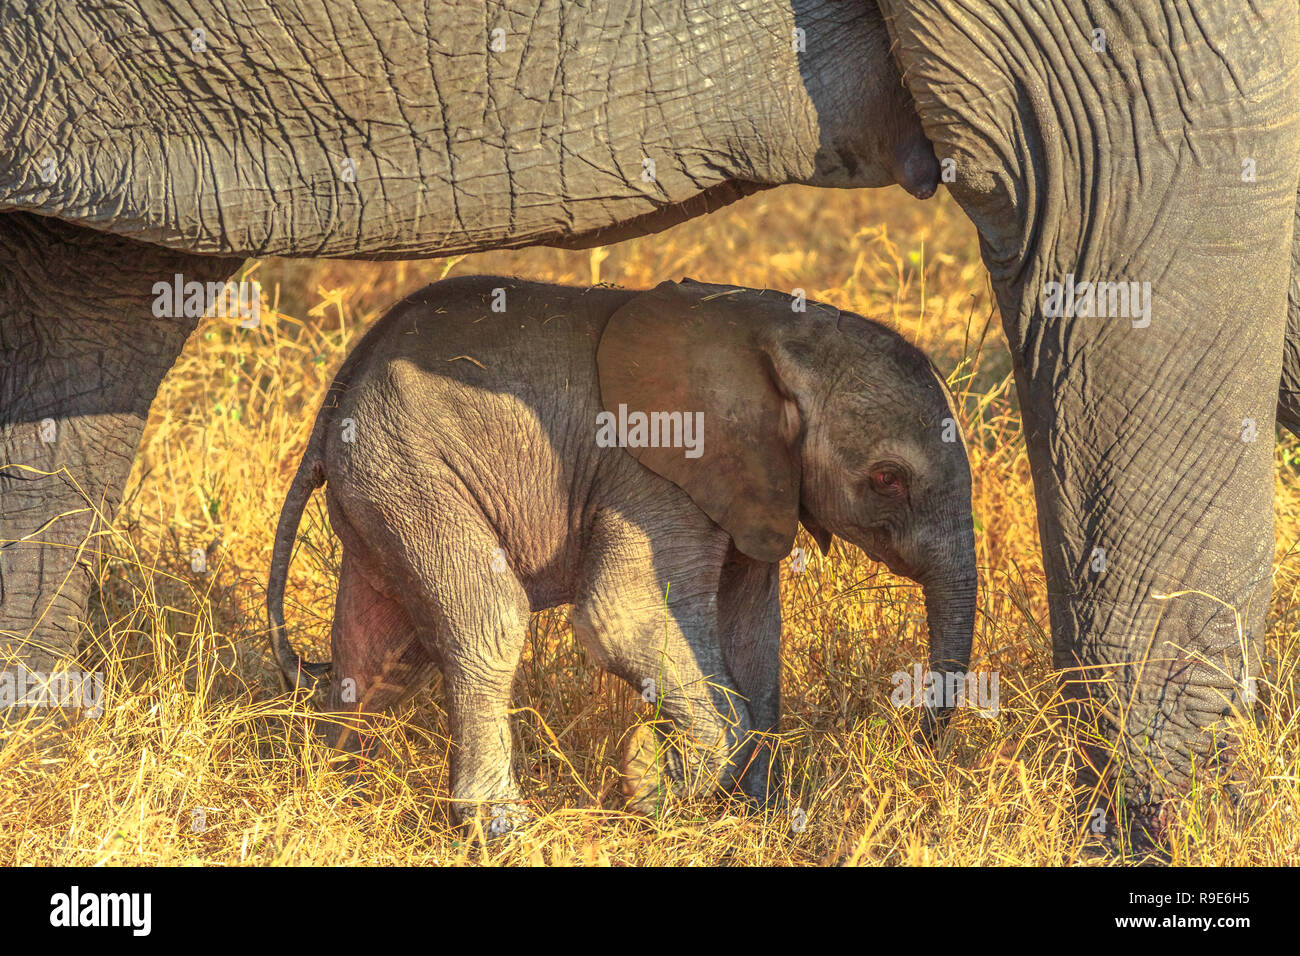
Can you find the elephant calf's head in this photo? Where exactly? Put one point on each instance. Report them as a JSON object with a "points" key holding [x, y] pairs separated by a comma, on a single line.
{"points": [[808, 414]]}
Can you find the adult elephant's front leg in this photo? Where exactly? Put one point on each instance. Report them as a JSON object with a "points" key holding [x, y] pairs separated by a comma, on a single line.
{"points": [[1150, 147], [1151, 450], [1288, 396], [81, 355]]}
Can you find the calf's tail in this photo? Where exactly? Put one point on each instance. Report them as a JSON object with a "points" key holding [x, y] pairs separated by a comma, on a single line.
{"points": [[295, 673]]}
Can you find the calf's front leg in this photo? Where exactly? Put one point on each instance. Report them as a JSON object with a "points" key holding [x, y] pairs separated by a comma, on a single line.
{"points": [[648, 611]]}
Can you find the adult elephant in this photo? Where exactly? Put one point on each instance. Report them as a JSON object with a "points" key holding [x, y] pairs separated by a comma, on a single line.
{"points": [[1143, 141]]}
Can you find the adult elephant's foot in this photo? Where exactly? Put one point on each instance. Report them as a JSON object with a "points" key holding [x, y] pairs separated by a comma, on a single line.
{"points": [[82, 352], [1169, 726]]}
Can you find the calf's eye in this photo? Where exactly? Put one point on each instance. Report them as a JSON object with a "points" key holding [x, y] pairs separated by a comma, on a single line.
{"points": [[887, 482]]}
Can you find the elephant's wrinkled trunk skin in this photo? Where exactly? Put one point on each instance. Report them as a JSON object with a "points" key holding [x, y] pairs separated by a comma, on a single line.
{"points": [[950, 587], [950, 612]]}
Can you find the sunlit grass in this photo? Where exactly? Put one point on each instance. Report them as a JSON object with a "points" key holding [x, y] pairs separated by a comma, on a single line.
{"points": [[199, 758]]}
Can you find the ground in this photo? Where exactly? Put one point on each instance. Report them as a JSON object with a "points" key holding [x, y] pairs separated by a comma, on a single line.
{"points": [[199, 758]]}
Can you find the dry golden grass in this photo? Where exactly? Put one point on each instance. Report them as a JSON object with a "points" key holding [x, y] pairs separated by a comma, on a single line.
{"points": [[199, 759]]}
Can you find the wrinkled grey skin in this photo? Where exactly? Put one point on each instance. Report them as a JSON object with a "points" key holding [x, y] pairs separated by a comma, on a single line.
{"points": [[357, 130], [1152, 444], [473, 491], [1112, 164]]}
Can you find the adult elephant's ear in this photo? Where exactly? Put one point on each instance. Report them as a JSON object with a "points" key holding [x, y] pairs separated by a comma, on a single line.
{"points": [[701, 351]]}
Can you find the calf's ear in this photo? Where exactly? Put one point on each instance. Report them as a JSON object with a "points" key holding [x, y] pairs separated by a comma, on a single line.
{"points": [[706, 352]]}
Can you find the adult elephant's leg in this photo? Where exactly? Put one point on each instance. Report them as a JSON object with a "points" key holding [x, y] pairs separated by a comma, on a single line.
{"points": [[81, 356], [1153, 144], [1288, 396], [1155, 514]]}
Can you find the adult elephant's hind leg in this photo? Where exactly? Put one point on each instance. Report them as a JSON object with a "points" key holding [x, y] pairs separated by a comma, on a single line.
{"points": [[81, 356]]}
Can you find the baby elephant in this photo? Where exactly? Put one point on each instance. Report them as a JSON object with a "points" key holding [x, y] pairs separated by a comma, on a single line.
{"points": [[494, 447]]}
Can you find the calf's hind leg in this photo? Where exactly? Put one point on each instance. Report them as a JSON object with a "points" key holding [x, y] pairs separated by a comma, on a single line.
{"points": [[378, 658], [482, 626], [456, 612]]}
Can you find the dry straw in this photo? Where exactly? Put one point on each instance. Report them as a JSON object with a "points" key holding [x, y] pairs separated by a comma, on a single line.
{"points": [[199, 759]]}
